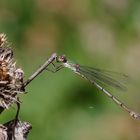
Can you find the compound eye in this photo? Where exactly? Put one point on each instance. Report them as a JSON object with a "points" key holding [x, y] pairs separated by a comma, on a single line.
{"points": [[63, 58]]}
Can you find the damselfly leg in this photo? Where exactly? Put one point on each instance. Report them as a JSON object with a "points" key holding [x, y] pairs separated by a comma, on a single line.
{"points": [[39, 70], [55, 68]]}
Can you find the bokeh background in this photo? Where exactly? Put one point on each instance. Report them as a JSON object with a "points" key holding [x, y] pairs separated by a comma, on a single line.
{"points": [[99, 33]]}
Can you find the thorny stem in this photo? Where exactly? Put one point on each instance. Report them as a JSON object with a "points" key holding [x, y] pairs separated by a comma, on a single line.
{"points": [[39, 70]]}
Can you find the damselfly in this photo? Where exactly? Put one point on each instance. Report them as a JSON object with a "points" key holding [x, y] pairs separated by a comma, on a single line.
{"points": [[96, 76]]}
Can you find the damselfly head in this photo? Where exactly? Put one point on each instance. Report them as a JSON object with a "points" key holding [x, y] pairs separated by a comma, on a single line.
{"points": [[62, 59]]}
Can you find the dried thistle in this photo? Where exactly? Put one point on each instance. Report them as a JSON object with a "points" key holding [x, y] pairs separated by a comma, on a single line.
{"points": [[11, 77]]}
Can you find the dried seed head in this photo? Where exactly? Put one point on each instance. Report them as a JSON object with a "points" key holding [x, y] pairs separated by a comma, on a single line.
{"points": [[11, 77], [18, 131]]}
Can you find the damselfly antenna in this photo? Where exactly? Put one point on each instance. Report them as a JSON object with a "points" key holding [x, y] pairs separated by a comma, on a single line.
{"points": [[96, 77]]}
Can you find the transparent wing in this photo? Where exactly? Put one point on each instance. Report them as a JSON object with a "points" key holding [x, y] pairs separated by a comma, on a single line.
{"points": [[105, 77]]}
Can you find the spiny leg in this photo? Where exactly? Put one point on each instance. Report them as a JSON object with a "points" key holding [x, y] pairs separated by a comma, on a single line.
{"points": [[56, 68]]}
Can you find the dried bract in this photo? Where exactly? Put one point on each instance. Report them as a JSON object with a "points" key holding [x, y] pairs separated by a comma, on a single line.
{"points": [[3, 133], [3, 39]]}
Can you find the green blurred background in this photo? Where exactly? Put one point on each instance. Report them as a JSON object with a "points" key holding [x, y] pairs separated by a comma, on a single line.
{"points": [[99, 33]]}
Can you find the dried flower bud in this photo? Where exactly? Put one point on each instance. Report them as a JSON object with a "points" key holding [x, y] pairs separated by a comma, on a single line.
{"points": [[11, 77], [18, 130]]}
